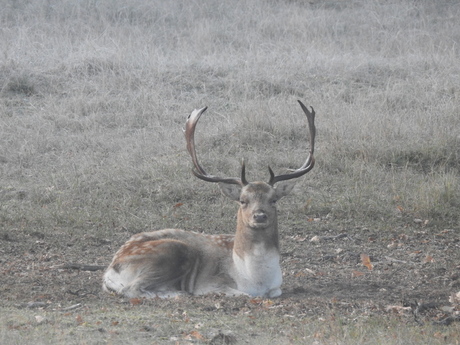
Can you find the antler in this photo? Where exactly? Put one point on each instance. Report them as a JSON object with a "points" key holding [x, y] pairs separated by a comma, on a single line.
{"points": [[310, 162], [199, 172]]}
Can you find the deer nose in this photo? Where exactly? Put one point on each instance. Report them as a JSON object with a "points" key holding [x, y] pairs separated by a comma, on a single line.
{"points": [[260, 217]]}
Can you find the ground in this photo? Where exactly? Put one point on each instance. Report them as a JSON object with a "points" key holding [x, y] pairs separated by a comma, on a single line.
{"points": [[346, 271]]}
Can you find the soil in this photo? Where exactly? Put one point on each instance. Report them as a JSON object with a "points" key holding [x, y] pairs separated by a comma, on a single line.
{"points": [[357, 270]]}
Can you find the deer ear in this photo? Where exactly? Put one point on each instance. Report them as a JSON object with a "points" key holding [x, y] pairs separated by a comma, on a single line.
{"points": [[232, 191], [284, 189]]}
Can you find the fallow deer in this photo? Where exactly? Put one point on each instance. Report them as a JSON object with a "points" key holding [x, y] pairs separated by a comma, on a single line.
{"points": [[171, 262]]}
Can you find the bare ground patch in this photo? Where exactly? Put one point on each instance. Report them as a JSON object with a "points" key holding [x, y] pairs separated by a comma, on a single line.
{"points": [[51, 286]]}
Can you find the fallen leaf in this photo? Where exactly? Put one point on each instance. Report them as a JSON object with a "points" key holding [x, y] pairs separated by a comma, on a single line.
{"points": [[79, 319], [40, 319], [428, 259], [179, 204], [366, 261], [357, 274], [393, 245], [315, 239], [403, 237], [194, 335], [255, 301], [439, 335], [300, 274], [397, 309], [267, 303], [455, 298], [135, 301]]}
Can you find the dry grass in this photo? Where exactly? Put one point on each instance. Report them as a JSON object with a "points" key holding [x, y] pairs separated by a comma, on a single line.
{"points": [[175, 324], [94, 94]]}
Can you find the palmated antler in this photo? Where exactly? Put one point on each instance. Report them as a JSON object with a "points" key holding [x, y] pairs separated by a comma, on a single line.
{"points": [[310, 162], [199, 172]]}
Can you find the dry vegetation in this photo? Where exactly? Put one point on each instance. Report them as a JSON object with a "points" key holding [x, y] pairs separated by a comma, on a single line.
{"points": [[93, 98]]}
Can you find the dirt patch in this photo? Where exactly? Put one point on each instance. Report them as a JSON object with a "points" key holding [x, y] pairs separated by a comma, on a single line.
{"points": [[405, 267]]}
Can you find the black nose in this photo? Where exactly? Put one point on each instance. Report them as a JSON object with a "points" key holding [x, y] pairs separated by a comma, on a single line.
{"points": [[260, 217]]}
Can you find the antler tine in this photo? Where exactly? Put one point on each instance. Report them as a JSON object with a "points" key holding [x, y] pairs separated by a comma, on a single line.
{"points": [[310, 162], [198, 170]]}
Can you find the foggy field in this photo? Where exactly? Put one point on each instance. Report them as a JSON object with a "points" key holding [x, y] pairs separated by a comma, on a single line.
{"points": [[93, 99]]}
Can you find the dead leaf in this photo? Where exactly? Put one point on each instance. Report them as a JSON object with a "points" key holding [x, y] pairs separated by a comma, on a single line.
{"points": [[455, 298], [403, 237], [194, 335], [79, 320], [356, 274], [300, 274], [267, 303], [318, 335], [439, 335], [315, 239], [393, 245], [300, 239], [397, 309], [179, 204], [40, 319], [135, 301], [255, 301], [366, 261], [428, 259]]}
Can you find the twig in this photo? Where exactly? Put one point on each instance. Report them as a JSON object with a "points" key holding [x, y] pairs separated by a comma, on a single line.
{"points": [[80, 267], [390, 259], [72, 307], [328, 238]]}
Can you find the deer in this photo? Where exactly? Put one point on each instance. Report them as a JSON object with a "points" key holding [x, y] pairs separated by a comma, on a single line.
{"points": [[172, 262]]}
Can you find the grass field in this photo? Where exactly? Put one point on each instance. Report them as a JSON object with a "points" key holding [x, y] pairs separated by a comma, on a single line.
{"points": [[93, 99]]}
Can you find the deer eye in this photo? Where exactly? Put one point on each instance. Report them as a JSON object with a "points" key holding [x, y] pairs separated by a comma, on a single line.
{"points": [[243, 202]]}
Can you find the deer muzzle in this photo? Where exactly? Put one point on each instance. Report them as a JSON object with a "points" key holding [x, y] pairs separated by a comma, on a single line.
{"points": [[259, 217]]}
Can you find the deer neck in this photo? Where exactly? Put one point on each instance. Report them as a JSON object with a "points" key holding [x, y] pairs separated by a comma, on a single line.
{"points": [[247, 239]]}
